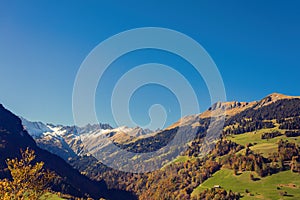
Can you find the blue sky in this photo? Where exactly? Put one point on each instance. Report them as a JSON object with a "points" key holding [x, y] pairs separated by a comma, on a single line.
{"points": [[255, 45]]}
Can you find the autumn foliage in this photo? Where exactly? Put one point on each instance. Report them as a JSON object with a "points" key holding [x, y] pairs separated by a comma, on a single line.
{"points": [[29, 181]]}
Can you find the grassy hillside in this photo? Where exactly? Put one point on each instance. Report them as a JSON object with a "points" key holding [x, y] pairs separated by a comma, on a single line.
{"points": [[268, 187], [260, 170], [264, 146]]}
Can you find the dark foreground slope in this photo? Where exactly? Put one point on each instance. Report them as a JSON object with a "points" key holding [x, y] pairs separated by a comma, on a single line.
{"points": [[13, 138]]}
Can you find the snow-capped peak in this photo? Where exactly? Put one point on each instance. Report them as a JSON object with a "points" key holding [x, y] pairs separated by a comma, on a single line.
{"points": [[35, 129]]}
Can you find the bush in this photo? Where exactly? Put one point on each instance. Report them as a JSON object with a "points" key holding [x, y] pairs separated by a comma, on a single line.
{"points": [[28, 181]]}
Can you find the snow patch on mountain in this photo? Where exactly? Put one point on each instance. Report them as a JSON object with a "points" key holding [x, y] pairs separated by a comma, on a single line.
{"points": [[35, 129], [70, 141]]}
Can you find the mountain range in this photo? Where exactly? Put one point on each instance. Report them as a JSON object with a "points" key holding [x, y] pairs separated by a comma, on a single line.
{"points": [[69, 141], [13, 138], [261, 134], [259, 139]]}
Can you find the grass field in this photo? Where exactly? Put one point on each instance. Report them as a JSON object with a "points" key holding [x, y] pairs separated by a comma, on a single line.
{"points": [[265, 188], [264, 146], [265, 149], [50, 196], [181, 159]]}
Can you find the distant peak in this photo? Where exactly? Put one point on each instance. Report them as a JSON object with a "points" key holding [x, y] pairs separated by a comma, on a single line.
{"points": [[227, 105], [272, 98], [277, 96], [227, 108]]}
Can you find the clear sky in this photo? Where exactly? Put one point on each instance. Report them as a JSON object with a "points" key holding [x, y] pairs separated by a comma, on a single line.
{"points": [[255, 45]]}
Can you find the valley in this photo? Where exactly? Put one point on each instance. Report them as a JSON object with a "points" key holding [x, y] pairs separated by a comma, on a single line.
{"points": [[256, 156]]}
